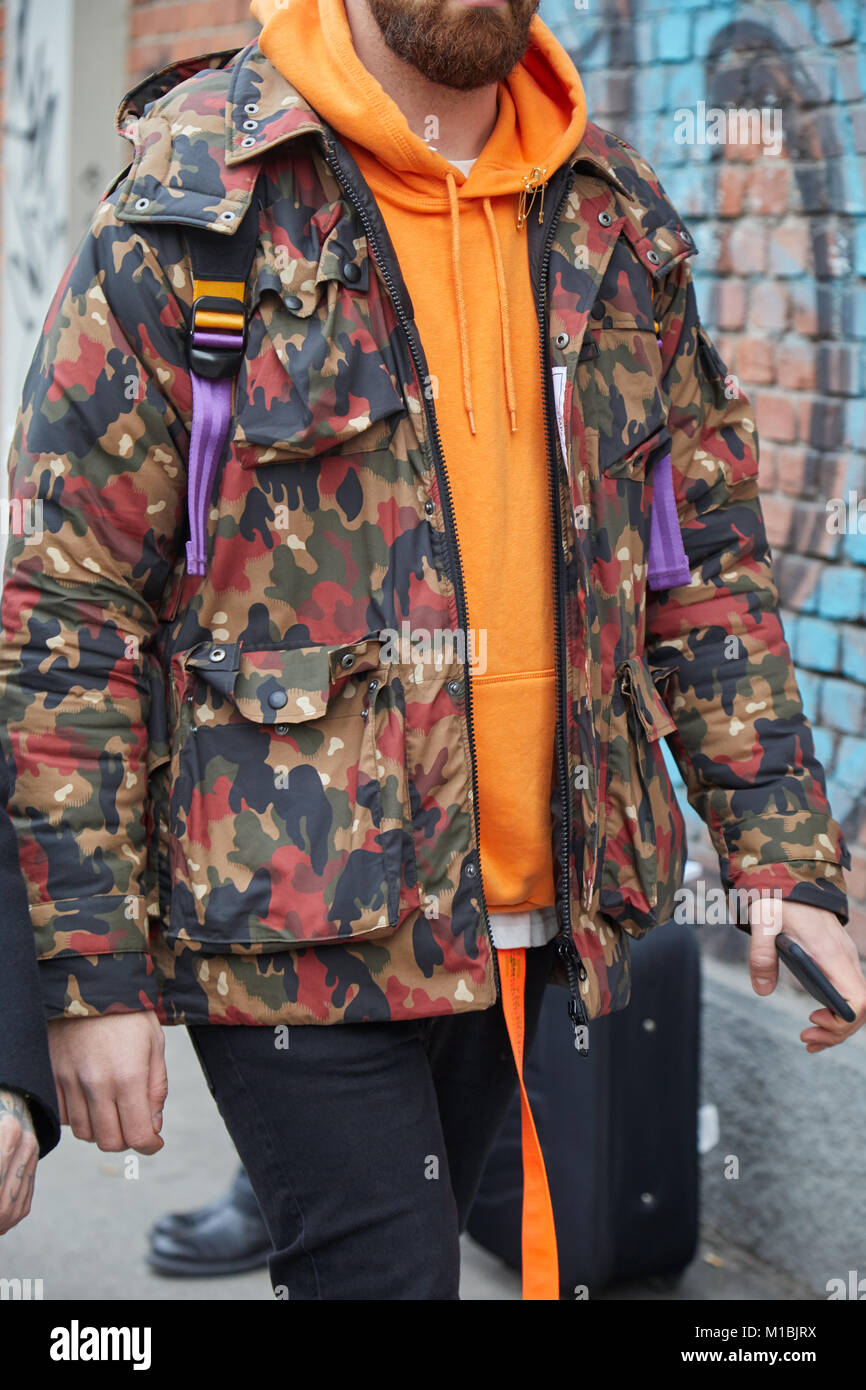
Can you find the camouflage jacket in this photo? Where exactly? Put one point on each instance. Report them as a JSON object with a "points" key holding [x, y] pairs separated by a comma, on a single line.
{"points": [[231, 806]]}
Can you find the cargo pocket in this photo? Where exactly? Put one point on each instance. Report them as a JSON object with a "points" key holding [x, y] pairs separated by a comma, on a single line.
{"points": [[289, 818], [644, 830]]}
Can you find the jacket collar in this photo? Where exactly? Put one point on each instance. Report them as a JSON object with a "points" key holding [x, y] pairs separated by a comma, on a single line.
{"points": [[239, 106]]}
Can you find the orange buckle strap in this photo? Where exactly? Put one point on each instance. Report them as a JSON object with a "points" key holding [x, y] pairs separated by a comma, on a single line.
{"points": [[540, 1258]]}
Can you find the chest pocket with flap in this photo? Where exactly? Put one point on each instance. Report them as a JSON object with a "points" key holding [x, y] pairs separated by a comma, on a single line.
{"points": [[318, 372]]}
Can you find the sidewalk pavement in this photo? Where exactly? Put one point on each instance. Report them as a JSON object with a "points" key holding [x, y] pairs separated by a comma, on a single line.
{"points": [[86, 1236]]}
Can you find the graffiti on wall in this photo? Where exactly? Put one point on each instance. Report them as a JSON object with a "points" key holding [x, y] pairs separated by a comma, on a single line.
{"points": [[35, 222]]}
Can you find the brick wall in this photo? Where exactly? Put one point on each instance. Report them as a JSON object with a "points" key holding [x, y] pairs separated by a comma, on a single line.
{"points": [[782, 242], [163, 30]]}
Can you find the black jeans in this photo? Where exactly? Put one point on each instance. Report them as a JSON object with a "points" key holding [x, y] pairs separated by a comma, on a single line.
{"points": [[365, 1143]]}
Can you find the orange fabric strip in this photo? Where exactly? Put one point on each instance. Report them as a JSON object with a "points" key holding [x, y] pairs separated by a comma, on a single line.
{"points": [[222, 289], [540, 1258]]}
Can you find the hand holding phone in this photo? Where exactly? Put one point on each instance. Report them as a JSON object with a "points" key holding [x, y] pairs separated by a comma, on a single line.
{"points": [[804, 969]]}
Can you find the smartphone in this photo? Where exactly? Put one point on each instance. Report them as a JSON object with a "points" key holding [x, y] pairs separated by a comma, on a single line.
{"points": [[802, 966]]}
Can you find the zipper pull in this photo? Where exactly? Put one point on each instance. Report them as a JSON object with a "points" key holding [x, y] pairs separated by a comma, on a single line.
{"points": [[576, 971], [532, 182]]}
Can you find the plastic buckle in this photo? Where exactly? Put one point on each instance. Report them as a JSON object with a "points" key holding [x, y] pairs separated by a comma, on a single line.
{"points": [[216, 360]]}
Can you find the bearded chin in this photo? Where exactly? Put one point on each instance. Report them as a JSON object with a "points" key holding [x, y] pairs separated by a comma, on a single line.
{"points": [[463, 51]]}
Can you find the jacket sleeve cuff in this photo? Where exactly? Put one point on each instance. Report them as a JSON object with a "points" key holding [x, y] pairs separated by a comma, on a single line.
{"points": [[809, 881], [76, 986]]}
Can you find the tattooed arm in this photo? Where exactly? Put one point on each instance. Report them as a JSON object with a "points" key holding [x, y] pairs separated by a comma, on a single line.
{"points": [[19, 1153]]}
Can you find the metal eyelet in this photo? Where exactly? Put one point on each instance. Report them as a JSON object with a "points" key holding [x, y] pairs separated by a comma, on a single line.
{"points": [[562, 340], [653, 257], [247, 141], [218, 654], [251, 108], [228, 216], [250, 125], [347, 661], [605, 219], [141, 204]]}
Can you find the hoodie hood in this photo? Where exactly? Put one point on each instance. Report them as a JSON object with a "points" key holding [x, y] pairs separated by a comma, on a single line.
{"points": [[541, 105]]}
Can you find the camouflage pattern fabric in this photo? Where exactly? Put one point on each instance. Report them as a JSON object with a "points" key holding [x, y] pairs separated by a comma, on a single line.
{"points": [[234, 805]]}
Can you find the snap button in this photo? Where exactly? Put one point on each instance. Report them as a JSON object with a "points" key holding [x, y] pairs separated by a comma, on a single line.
{"points": [[251, 108], [292, 301], [373, 687], [429, 507], [347, 660], [605, 219], [141, 204], [562, 340], [248, 140], [281, 728], [218, 654], [653, 257], [470, 870], [250, 125], [351, 271], [277, 699], [454, 688]]}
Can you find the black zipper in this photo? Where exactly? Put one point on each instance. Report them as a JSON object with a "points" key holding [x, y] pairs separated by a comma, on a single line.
{"points": [[564, 940], [415, 350]]}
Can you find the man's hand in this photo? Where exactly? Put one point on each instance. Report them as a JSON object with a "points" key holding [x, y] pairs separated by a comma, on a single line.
{"points": [[110, 1078], [19, 1154], [831, 948]]}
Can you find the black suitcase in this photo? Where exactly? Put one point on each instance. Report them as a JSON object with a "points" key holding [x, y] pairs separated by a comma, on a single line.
{"points": [[618, 1129]]}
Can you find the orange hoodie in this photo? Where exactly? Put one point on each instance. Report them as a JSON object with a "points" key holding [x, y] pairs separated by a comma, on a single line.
{"points": [[466, 267]]}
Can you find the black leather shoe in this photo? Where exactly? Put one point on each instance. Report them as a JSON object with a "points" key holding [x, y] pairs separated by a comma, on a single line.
{"points": [[226, 1237]]}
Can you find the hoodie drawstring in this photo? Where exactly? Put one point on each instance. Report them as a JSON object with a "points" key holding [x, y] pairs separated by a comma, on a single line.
{"points": [[503, 315], [504, 319], [461, 302]]}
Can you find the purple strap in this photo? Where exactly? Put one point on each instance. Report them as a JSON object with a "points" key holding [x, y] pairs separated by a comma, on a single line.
{"points": [[211, 411], [668, 564]]}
